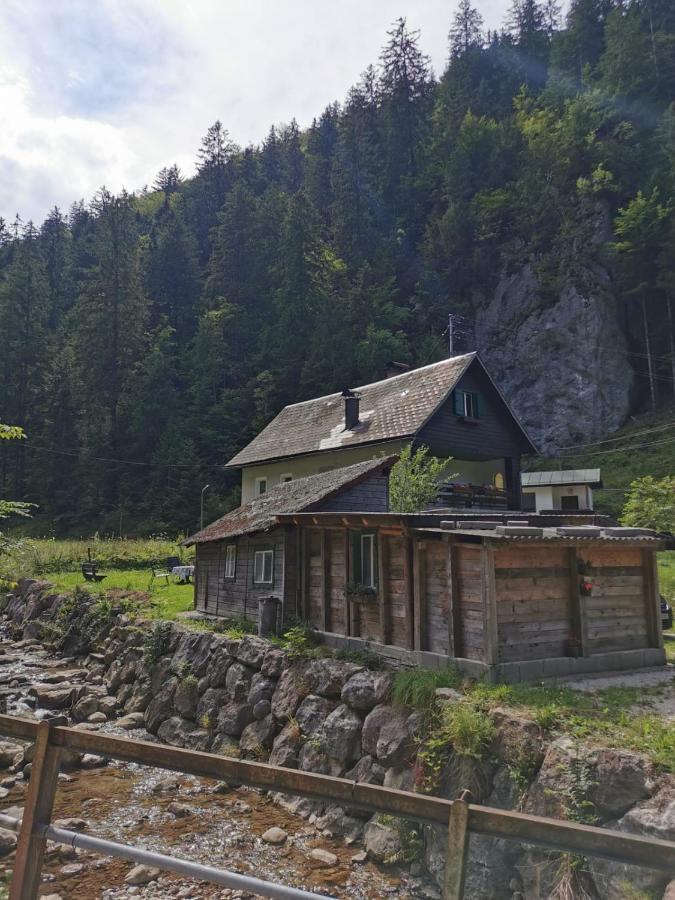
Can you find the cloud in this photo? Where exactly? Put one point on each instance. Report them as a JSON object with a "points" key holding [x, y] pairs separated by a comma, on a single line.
{"points": [[109, 92]]}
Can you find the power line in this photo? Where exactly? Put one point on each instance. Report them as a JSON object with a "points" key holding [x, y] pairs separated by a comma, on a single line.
{"points": [[619, 438], [629, 449], [110, 459]]}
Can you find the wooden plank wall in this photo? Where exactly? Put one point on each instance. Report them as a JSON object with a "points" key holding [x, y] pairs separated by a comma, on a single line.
{"points": [[534, 616], [437, 591], [617, 616], [470, 613], [399, 590]]}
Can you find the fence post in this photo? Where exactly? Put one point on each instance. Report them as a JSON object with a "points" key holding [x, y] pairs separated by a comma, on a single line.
{"points": [[37, 813], [457, 849]]}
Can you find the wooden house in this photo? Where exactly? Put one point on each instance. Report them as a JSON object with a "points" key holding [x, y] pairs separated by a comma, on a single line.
{"points": [[452, 406]]}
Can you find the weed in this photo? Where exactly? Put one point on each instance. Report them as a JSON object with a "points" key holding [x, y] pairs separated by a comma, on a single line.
{"points": [[157, 642], [416, 688]]}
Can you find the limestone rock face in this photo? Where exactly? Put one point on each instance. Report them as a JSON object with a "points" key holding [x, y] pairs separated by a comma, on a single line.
{"points": [[562, 353]]}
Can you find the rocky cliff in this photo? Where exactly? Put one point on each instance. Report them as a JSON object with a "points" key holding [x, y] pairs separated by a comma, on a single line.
{"points": [[247, 698], [560, 362]]}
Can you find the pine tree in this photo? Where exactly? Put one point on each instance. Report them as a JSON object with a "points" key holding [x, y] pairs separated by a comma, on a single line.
{"points": [[466, 32]]}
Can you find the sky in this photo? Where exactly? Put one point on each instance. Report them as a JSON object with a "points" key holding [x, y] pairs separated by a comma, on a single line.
{"points": [[107, 92]]}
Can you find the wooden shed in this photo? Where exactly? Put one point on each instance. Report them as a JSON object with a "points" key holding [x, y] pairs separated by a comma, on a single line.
{"points": [[510, 602]]}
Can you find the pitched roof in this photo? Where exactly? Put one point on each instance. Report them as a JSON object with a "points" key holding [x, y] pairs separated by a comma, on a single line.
{"points": [[292, 497], [391, 409], [565, 476]]}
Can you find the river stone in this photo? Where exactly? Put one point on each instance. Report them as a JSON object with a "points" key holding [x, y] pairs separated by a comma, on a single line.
{"points": [[262, 688], [294, 685], [218, 665], [275, 836], [210, 703], [140, 875], [108, 705], [312, 713], [132, 665], [10, 754], [323, 857], [273, 663], [161, 705], [84, 708], [224, 745], [382, 842], [186, 698], [50, 697], [7, 841], [337, 822], [366, 770], [258, 735], [180, 810], [140, 696], [286, 747], [341, 734], [366, 689], [238, 681], [621, 779], [234, 717], [193, 650], [252, 650], [133, 720]]}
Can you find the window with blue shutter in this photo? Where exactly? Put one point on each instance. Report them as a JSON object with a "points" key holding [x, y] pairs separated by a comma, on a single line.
{"points": [[467, 404]]}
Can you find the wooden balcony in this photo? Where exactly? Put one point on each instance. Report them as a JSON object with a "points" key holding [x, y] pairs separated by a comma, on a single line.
{"points": [[472, 496]]}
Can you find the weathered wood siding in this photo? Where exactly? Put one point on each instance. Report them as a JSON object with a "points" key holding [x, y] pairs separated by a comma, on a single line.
{"points": [[369, 495], [220, 596], [398, 590], [437, 590], [616, 611], [533, 588]]}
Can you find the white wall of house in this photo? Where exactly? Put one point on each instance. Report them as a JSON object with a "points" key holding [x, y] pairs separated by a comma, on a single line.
{"points": [[461, 471], [550, 496]]}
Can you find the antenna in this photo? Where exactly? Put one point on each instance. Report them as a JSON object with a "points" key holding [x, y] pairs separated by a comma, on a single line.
{"points": [[452, 332]]}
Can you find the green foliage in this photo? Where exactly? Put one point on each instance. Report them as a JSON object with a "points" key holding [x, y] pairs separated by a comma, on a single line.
{"points": [[651, 504], [298, 642], [416, 688], [413, 483], [157, 642]]}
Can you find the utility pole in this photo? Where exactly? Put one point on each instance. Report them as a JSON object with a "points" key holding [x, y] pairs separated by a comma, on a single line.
{"points": [[201, 507], [450, 335]]}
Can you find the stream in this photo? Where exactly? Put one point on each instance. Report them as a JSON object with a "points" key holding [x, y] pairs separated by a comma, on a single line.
{"points": [[180, 815]]}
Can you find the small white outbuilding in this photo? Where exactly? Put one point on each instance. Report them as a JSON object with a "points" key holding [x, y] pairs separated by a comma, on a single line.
{"points": [[567, 490]]}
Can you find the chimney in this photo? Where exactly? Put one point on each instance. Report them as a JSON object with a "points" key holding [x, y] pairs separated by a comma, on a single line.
{"points": [[392, 368], [351, 409]]}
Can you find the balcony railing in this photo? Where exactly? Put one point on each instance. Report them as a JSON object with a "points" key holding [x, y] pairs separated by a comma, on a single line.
{"points": [[472, 496]]}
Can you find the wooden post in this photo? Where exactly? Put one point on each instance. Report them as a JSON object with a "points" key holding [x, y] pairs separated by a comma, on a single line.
{"points": [[419, 594], [325, 582], [383, 600], [487, 577], [652, 599], [408, 582], [351, 613], [30, 849], [457, 850], [577, 610], [454, 605]]}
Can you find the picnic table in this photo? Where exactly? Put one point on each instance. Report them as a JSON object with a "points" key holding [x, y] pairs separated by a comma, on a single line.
{"points": [[183, 573]]}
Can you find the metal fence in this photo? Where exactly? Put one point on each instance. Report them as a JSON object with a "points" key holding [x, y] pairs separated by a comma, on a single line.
{"points": [[459, 817]]}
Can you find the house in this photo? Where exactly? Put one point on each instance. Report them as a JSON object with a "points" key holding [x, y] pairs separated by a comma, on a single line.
{"points": [[452, 406], [508, 599], [566, 490]]}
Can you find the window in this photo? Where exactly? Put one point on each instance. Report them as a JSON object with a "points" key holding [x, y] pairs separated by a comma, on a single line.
{"points": [[364, 559], [230, 560], [467, 404], [283, 479], [569, 502], [263, 567], [260, 486]]}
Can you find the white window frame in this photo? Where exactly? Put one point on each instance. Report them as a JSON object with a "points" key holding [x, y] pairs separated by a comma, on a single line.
{"points": [[231, 561], [368, 540], [285, 478], [263, 555], [259, 482], [469, 402]]}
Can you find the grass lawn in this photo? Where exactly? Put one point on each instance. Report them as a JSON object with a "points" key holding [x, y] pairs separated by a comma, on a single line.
{"points": [[666, 561]]}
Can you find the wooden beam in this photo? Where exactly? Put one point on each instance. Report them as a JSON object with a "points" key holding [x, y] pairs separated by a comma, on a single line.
{"points": [[419, 594], [382, 593], [457, 851], [325, 582], [489, 597], [454, 603], [578, 621], [408, 585], [351, 612], [652, 599], [37, 813]]}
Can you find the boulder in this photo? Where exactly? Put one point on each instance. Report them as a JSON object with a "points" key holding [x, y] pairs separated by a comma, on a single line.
{"points": [[139, 697], [238, 681], [193, 652], [257, 736], [386, 736], [252, 650], [186, 698], [53, 697], [324, 858], [621, 780], [218, 665], [97, 718], [175, 730], [234, 717], [275, 836], [366, 689], [161, 705], [262, 709], [286, 747], [367, 771], [108, 705], [273, 662], [210, 703], [382, 842], [328, 676], [518, 742], [7, 842], [132, 721], [141, 875], [10, 754], [84, 708], [312, 713], [293, 686], [372, 726], [262, 688], [313, 758], [337, 822], [225, 746], [341, 734]]}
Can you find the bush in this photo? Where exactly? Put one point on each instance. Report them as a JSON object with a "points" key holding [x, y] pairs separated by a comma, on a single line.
{"points": [[157, 642], [413, 483], [651, 504]]}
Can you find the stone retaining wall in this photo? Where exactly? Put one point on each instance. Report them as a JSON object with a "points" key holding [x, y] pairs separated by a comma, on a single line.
{"points": [[248, 698]]}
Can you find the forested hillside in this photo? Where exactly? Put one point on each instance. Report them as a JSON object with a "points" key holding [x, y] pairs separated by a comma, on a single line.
{"points": [[528, 190]]}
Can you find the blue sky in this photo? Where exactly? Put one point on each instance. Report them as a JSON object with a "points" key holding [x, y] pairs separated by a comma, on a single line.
{"points": [[97, 92]]}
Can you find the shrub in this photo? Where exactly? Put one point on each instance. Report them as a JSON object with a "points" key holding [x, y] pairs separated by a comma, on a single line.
{"points": [[157, 642], [651, 503], [413, 483]]}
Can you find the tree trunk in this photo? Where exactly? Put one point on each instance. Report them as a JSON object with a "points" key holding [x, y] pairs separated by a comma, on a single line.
{"points": [[648, 347], [671, 337]]}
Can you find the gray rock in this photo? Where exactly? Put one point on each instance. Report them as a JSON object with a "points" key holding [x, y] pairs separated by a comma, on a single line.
{"points": [[180, 810], [323, 857], [262, 709], [341, 734], [337, 822], [275, 836], [386, 736], [10, 754], [97, 718], [132, 721], [367, 771], [84, 708], [273, 663], [186, 698], [262, 688], [238, 682], [286, 747], [313, 758], [140, 696], [225, 746], [175, 730], [161, 705], [234, 717], [108, 705], [210, 703], [312, 713], [293, 686], [140, 875], [621, 779], [328, 676], [257, 736], [53, 697], [193, 651], [252, 650], [382, 842], [366, 689], [218, 665], [7, 842]]}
